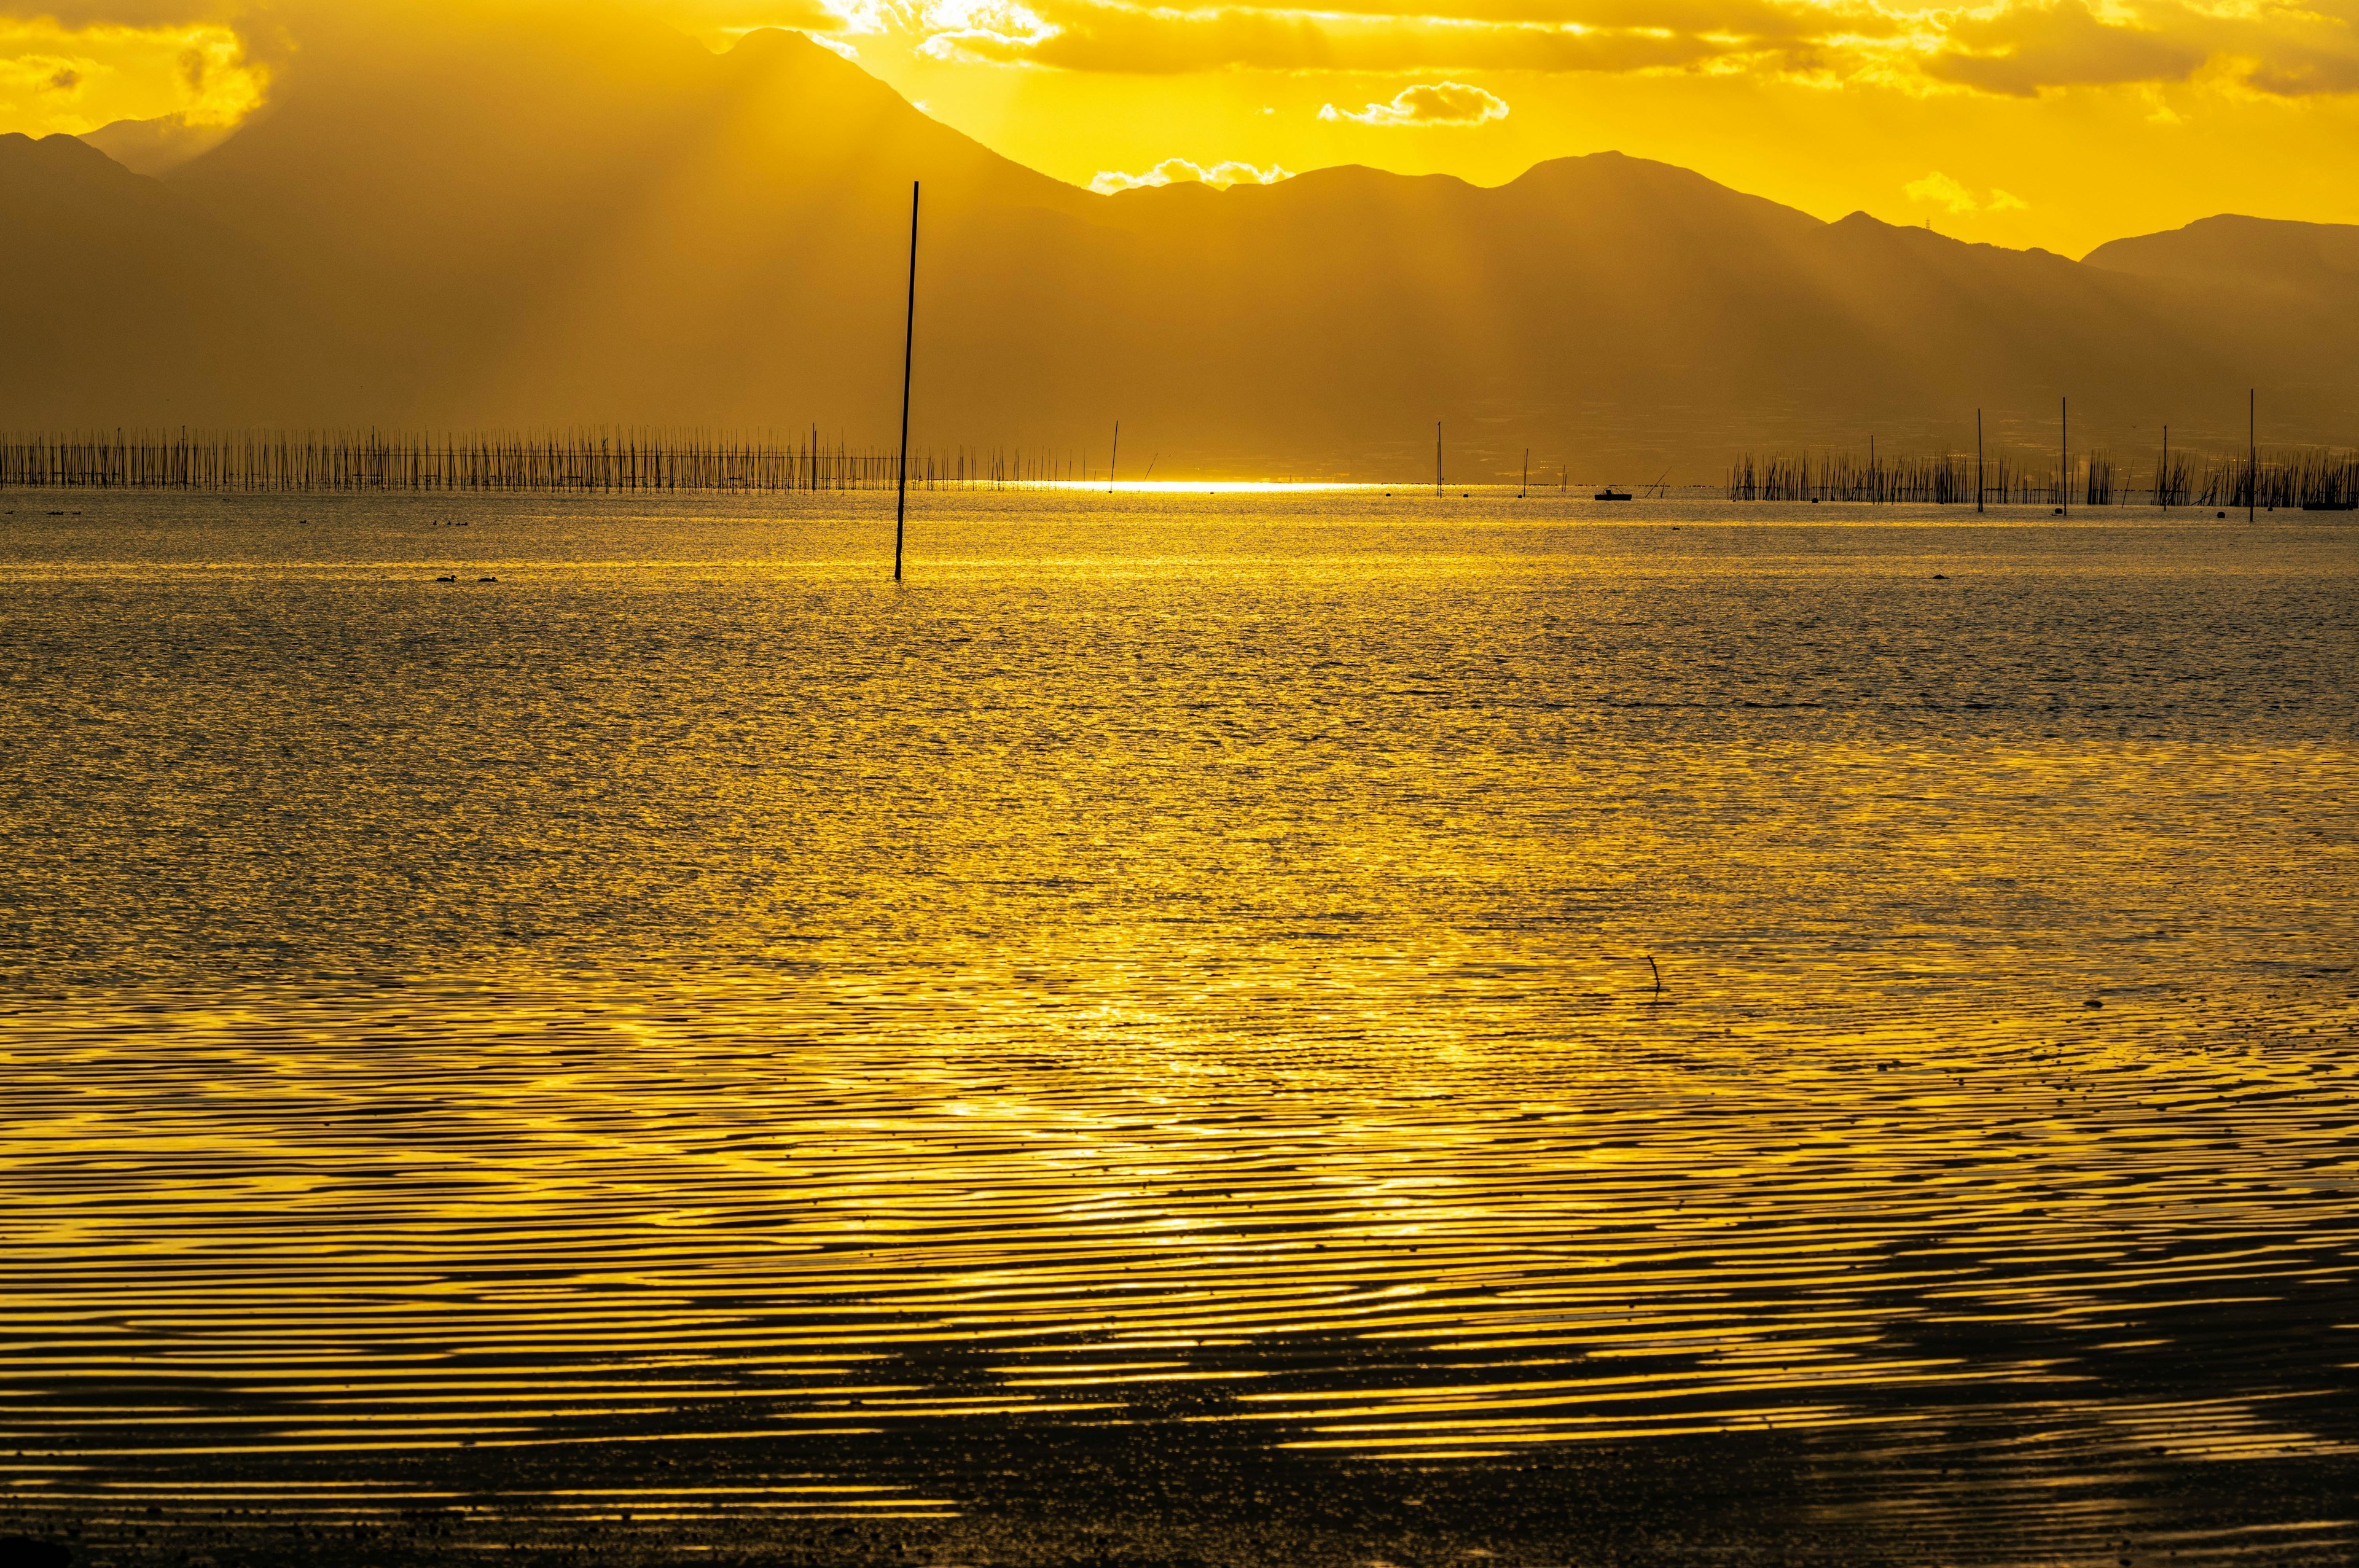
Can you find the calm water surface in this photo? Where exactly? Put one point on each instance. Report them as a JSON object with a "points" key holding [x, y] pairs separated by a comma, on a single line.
{"points": [[688, 1044]]}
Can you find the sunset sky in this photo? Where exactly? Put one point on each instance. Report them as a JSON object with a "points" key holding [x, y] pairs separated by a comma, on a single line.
{"points": [[2061, 125]]}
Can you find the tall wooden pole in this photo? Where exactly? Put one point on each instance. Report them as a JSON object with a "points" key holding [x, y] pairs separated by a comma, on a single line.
{"points": [[1980, 489], [2064, 455], [908, 361], [1437, 459], [1115, 459], [2252, 452], [2163, 500]]}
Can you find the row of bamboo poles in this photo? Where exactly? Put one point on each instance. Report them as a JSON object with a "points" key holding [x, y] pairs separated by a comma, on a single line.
{"points": [[2316, 478], [602, 462]]}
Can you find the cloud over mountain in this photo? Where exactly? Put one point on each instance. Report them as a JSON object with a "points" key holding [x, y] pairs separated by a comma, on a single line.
{"points": [[1179, 171], [1439, 103]]}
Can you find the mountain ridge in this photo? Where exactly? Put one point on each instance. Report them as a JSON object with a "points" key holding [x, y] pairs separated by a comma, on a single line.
{"points": [[719, 239]]}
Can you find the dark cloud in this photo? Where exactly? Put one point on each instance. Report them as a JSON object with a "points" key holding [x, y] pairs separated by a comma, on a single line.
{"points": [[2025, 49], [2307, 78], [140, 12], [1091, 35]]}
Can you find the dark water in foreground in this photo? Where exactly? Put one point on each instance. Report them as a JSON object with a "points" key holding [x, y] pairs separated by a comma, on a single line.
{"points": [[1140, 1045]]}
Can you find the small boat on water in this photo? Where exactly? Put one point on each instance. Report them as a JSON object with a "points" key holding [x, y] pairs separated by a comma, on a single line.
{"points": [[1610, 493]]}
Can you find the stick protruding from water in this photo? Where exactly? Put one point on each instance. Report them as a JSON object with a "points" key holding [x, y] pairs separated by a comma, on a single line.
{"points": [[908, 362]]}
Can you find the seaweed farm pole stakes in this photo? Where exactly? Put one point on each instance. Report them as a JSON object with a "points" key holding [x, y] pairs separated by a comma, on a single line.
{"points": [[2252, 452], [2064, 455], [909, 360], [1115, 460], [1437, 459], [1980, 488]]}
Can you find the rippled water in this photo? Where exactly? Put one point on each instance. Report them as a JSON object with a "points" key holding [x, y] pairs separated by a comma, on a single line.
{"points": [[1148, 1036]]}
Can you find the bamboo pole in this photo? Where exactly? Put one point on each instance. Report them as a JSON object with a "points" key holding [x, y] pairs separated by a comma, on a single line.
{"points": [[908, 361], [2064, 454]]}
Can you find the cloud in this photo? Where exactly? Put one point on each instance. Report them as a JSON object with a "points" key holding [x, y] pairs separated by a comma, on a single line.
{"points": [[77, 14], [1938, 189], [119, 62], [988, 32], [1115, 37], [1179, 171], [1442, 103], [2009, 48], [2290, 49], [2023, 48]]}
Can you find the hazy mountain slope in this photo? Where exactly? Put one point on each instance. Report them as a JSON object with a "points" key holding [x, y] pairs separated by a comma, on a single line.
{"points": [[603, 220], [2314, 262], [520, 220], [119, 304], [1620, 308], [156, 146]]}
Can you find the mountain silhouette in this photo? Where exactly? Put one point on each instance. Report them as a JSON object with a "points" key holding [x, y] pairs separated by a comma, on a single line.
{"points": [[2308, 263], [157, 145], [495, 221]]}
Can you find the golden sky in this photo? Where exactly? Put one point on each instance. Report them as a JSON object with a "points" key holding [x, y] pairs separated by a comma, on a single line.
{"points": [[2059, 124]]}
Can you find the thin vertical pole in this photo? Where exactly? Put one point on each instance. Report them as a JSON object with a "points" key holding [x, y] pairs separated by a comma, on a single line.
{"points": [[908, 361], [2164, 477], [1112, 462], [1437, 459], [2064, 454], [1981, 489], [2252, 452]]}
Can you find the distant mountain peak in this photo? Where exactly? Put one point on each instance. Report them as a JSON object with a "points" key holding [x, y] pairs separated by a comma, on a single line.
{"points": [[158, 145], [2228, 251]]}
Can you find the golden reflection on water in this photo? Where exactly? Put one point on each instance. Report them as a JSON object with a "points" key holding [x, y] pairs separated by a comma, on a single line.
{"points": [[1197, 982]]}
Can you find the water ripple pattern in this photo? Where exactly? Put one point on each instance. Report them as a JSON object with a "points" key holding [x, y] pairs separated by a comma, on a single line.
{"points": [[681, 1037]]}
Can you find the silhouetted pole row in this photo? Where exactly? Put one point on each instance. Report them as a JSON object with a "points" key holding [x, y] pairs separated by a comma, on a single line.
{"points": [[634, 461], [909, 362], [2064, 455], [1437, 458], [2316, 479], [1114, 459], [1982, 480]]}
